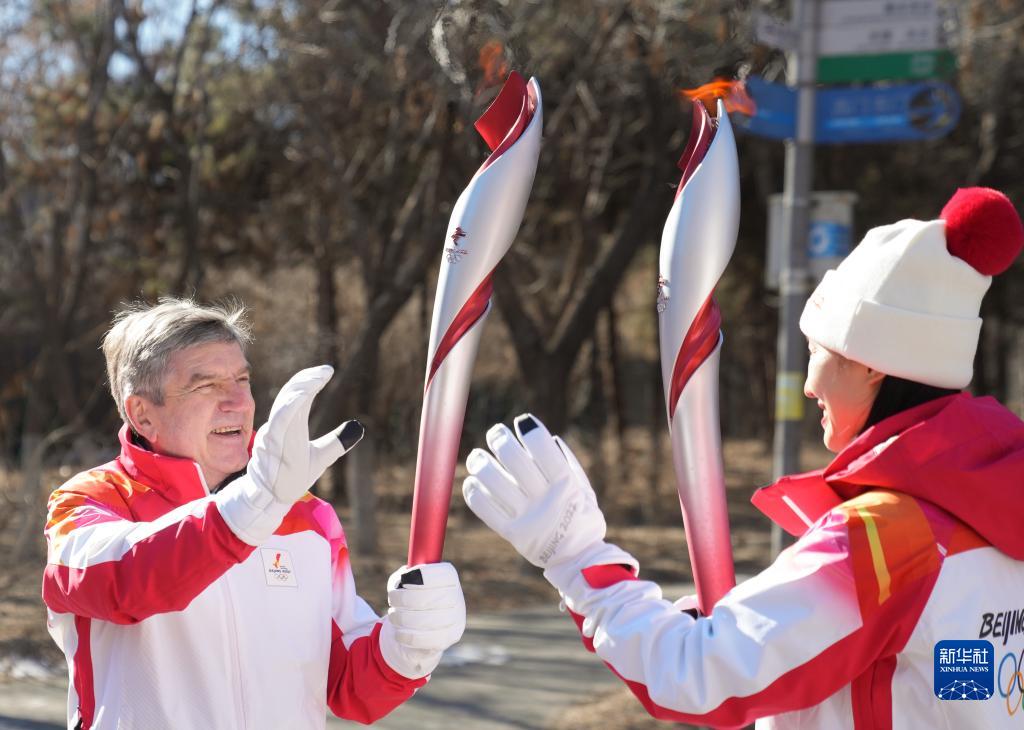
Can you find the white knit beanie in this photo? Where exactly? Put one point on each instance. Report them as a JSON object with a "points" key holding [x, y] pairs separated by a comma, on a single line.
{"points": [[905, 302]]}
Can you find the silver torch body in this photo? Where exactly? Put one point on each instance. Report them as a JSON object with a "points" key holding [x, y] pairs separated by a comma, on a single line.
{"points": [[697, 242], [483, 224]]}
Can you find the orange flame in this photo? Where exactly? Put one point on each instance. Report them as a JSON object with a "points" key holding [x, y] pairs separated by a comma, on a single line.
{"points": [[734, 93], [493, 63]]}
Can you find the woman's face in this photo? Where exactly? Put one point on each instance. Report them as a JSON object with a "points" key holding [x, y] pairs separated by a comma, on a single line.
{"points": [[845, 391]]}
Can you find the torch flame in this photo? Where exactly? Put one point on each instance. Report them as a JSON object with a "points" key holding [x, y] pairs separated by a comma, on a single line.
{"points": [[493, 63], [733, 92]]}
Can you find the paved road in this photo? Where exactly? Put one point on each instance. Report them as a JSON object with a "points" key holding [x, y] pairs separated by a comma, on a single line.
{"points": [[512, 670], [520, 670]]}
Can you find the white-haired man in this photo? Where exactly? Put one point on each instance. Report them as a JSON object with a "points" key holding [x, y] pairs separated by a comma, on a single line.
{"points": [[191, 583]]}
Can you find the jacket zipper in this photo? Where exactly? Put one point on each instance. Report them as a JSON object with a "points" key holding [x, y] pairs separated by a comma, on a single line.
{"points": [[233, 628], [233, 632]]}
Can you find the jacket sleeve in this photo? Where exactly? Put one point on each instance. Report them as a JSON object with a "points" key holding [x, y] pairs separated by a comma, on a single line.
{"points": [[842, 600], [103, 564], [360, 684]]}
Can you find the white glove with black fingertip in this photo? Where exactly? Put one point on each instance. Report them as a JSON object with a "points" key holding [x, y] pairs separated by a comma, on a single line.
{"points": [[688, 604], [285, 463], [533, 492], [426, 615]]}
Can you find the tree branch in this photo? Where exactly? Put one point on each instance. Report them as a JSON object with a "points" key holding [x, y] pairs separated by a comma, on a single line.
{"points": [[601, 281]]}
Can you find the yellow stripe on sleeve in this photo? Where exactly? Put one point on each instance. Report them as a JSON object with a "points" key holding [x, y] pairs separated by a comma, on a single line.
{"points": [[877, 554]]}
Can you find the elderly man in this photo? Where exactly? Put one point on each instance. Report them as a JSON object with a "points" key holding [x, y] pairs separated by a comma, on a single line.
{"points": [[192, 584]]}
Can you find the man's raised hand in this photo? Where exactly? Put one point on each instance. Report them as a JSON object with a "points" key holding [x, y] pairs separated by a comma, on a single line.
{"points": [[285, 463]]}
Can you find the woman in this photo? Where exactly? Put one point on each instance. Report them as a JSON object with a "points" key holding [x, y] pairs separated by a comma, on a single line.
{"points": [[910, 538]]}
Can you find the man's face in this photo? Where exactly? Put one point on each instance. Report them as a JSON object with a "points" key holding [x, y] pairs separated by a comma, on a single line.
{"points": [[207, 413], [845, 391]]}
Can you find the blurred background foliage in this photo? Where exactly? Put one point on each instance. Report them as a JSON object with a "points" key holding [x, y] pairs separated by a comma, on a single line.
{"points": [[304, 156]]}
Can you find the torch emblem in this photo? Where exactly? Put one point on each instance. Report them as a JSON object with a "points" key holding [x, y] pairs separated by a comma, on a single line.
{"points": [[663, 294], [453, 252]]}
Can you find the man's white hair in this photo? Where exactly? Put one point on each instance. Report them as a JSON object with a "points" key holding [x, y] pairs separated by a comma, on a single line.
{"points": [[139, 344]]}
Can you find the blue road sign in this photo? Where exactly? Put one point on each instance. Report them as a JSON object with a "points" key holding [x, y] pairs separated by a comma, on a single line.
{"points": [[828, 239], [898, 113]]}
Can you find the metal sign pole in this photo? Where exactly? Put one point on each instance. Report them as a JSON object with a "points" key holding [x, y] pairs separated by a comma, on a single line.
{"points": [[793, 279]]}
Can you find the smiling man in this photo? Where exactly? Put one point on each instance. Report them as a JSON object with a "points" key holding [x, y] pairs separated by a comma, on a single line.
{"points": [[204, 412], [192, 584]]}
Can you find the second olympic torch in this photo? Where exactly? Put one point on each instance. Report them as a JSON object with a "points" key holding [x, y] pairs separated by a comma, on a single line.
{"points": [[483, 224], [696, 244]]}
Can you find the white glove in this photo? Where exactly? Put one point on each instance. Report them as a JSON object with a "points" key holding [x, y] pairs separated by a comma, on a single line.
{"points": [[534, 494], [688, 604], [426, 615], [285, 463]]}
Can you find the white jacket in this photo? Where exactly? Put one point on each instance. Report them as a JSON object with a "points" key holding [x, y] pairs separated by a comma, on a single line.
{"points": [[169, 620], [912, 536]]}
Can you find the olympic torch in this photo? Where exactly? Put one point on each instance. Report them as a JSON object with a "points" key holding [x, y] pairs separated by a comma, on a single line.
{"points": [[696, 244], [483, 223]]}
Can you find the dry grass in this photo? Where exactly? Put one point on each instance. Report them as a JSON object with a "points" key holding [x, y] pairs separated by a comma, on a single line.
{"points": [[616, 708]]}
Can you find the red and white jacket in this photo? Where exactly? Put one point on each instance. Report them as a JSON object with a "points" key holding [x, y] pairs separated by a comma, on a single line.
{"points": [[169, 620], [912, 535]]}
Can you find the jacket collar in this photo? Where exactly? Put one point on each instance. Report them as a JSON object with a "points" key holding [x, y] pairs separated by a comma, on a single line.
{"points": [[179, 479], [796, 502]]}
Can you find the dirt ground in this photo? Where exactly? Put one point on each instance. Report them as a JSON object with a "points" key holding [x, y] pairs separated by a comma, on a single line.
{"points": [[493, 575]]}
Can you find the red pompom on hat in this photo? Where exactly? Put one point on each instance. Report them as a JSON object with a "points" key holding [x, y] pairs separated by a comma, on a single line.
{"points": [[983, 229]]}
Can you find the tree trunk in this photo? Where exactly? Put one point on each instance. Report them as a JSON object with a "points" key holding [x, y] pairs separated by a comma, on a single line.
{"points": [[326, 291], [547, 390], [360, 466], [618, 397], [31, 512], [34, 448], [595, 416]]}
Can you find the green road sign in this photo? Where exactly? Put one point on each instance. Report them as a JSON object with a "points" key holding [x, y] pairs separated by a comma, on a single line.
{"points": [[885, 66]]}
